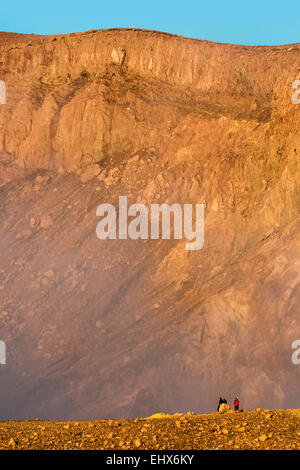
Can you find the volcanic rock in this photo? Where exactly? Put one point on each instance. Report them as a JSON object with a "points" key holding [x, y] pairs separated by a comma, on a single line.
{"points": [[166, 119]]}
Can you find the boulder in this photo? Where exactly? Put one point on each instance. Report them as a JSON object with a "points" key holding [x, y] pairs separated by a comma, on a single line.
{"points": [[224, 407], [90, 173]]}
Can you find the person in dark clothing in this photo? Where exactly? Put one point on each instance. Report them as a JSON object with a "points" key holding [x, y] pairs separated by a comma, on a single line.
{"points": [[220, 403], [224, 400], [236, 404]]}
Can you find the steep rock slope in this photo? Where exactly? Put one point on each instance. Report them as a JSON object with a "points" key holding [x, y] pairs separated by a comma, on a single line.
{"points": [[123, 328]]}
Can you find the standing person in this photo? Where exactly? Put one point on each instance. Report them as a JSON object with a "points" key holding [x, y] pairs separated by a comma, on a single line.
{"points": [[236, 404], [220, 403]]}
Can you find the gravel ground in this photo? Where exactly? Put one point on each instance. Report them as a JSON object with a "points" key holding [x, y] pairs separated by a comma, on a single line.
{"points": [[275, 429]]}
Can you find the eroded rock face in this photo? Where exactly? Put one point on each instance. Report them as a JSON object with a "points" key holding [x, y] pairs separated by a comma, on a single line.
{"points": [[92, 326]]}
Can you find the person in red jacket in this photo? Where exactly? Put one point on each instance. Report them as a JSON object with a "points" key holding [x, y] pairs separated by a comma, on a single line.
{"points": [[236, 404]]}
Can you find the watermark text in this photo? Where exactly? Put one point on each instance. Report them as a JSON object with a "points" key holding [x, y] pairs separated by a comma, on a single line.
{"points": [[2, 92], [160, 217]]}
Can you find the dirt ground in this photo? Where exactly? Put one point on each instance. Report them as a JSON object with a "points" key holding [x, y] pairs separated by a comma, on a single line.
{"points": [[260, 429]]}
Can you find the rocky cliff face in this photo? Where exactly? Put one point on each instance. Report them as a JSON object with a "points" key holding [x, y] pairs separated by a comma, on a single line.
{"points": [[121, 327]]}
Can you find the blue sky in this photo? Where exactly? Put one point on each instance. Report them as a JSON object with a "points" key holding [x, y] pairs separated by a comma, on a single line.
{"points": [[252, 22]]}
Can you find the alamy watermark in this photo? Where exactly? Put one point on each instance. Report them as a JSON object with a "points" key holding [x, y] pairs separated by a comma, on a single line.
{"points": [[2, 92], [138, 228], [2, 353], [295, 99], [296, 353]]}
